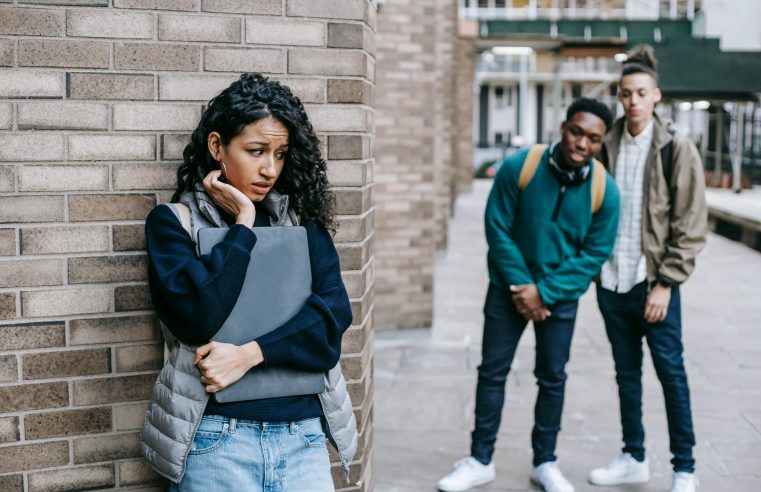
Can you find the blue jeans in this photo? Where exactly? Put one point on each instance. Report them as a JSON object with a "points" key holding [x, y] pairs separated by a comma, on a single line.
{"points": [[624, 316], [503, 327], [248, 456]]}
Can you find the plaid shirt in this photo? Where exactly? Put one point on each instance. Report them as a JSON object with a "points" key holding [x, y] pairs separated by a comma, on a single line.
{"points": [[627, 266]]}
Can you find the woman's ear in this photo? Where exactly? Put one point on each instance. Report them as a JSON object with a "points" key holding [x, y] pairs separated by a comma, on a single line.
{"points": [[214, 141]]}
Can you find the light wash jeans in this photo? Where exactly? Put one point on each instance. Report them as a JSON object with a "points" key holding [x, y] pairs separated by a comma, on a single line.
{"points": [[248, 456]]}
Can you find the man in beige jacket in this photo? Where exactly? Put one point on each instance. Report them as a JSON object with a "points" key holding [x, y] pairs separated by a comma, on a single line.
{"points": [[662, 229]]}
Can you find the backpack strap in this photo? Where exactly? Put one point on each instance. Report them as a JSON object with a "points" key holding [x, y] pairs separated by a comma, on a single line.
{"points": [[182, 212], [598, 185], [530, 164], [667, 157]]}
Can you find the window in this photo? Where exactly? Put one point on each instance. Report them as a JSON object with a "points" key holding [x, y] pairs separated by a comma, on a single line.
{"points": [[498, 138], [499, 94]]}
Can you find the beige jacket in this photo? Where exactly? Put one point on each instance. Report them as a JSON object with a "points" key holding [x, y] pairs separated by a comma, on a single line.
{"points": [[674, 215]]}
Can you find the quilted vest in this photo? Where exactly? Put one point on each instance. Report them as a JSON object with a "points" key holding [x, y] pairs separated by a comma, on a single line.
{"points": [[179, 398]]}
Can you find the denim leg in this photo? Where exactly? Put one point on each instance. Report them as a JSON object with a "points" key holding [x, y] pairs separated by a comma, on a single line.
{"points": [[503, 327], [622, 314], [553, 346], [307, 464], [224, 456], [665, 342]]}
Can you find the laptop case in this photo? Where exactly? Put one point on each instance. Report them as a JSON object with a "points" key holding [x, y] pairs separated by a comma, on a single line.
{"points": [[278, 283]]}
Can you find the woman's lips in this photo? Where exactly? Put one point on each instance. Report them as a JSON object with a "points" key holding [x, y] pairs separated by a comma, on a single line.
{"points": [[261, 188]]}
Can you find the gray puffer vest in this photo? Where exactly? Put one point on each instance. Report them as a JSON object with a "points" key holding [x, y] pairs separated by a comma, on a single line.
{"points": [[179, 398]]}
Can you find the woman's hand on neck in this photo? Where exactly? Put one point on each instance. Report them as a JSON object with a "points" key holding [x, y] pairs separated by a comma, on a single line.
{"points": [[230, 199]]}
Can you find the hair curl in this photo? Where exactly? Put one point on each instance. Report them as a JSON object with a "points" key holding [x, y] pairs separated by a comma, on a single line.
{"points": [[587, 105], [641, 59], [251, 98]]}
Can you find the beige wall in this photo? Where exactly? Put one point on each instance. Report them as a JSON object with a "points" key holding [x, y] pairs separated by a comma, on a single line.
{"points": [[97, 98]]}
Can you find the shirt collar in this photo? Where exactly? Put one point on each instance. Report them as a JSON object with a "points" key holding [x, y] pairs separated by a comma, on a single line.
{"points": [[643, 139]]}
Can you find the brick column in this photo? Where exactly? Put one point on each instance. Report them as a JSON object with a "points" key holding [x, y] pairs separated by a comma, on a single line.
{"points": [[97, 99], [465, 73], [414, 145]]}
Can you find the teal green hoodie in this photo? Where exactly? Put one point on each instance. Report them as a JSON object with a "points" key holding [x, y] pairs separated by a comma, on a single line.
{"points": [[546, 234]]}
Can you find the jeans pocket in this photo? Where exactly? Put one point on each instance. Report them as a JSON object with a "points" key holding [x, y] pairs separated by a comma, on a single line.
{"points": [[206, 441], [311, 433]]}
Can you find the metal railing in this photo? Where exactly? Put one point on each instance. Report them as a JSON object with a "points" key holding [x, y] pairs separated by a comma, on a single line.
{"points": [[576, 9]]}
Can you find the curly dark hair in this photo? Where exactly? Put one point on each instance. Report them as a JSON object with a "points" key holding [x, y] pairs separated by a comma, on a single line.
{"points": [[251, 98], [587, 105]]}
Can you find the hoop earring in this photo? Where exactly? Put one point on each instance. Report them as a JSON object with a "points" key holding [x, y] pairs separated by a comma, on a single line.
{"points": [[224, 169]]}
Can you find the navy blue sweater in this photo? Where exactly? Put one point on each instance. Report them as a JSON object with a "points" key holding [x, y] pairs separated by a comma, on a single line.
{"points": [[194, 296]]}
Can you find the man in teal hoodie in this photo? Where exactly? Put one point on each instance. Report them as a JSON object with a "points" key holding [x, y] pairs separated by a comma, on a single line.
{"points": [[550, 227]]}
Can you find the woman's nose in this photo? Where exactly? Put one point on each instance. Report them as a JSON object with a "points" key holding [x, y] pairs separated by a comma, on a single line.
{"points": [[269, 168]]}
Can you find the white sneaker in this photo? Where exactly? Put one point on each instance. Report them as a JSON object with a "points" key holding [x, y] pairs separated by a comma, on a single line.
{"points": [[550, 478], [685, 482], [468, 472], [623, 469]]}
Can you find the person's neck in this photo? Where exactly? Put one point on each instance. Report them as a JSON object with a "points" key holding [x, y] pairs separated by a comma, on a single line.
{"points": [[635, 129]]}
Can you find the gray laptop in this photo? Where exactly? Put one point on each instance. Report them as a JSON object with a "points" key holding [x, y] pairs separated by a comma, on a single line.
{"points": [[278, 283]]}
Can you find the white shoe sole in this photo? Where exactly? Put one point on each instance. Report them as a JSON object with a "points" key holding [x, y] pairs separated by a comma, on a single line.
{"points": [[622, 481], [476, 484], [537, 483]]}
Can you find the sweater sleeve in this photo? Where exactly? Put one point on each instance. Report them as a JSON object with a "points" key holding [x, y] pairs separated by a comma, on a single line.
{"points": [[500, 219], [571, 279], [194, 295], [311, 340]]}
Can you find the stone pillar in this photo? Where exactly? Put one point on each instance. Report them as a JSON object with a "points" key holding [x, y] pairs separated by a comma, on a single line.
{"points": [[97, 99]]}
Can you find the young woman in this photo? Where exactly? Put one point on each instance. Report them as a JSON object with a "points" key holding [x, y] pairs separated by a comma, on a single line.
{"points": [[253, 160]]}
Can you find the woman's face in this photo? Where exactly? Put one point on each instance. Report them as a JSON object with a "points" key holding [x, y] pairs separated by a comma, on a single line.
{"points": [[254, 158]]}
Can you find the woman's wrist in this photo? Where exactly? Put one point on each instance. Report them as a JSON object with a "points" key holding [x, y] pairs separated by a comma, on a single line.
{"points": [[246, 217], [252, 353]]}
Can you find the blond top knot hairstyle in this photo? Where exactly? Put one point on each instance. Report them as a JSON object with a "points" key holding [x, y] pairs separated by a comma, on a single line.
{"points": [[641, 59]]}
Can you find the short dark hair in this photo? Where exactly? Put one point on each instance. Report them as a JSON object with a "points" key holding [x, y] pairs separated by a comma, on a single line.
{"points": [[641, 59], [587, 105]]}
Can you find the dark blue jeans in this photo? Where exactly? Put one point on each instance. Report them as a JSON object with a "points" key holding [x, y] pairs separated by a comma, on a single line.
{"points": [[503, 327], [625, 324]]}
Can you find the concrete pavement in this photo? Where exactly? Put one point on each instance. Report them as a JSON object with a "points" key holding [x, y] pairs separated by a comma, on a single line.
{"points": [[425, 379]]}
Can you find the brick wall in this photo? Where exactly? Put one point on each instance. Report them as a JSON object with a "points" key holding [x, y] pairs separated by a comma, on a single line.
{"points": [[464, 71], [444, 106], [97, 98], [415, 159]]}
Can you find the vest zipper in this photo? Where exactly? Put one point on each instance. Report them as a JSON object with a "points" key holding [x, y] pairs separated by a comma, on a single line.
{"points": [[558, 203]]}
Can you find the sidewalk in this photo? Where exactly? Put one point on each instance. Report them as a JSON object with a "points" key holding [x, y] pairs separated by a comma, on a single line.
{"points": [[425, 379]]}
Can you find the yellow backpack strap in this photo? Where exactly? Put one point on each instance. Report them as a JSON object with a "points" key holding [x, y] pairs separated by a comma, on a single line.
{"points": [[598, 185], [535, 154]]}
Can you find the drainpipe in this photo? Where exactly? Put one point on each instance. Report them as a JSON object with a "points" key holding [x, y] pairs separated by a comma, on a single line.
{"points": [[738, 154], [717, 155]]}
